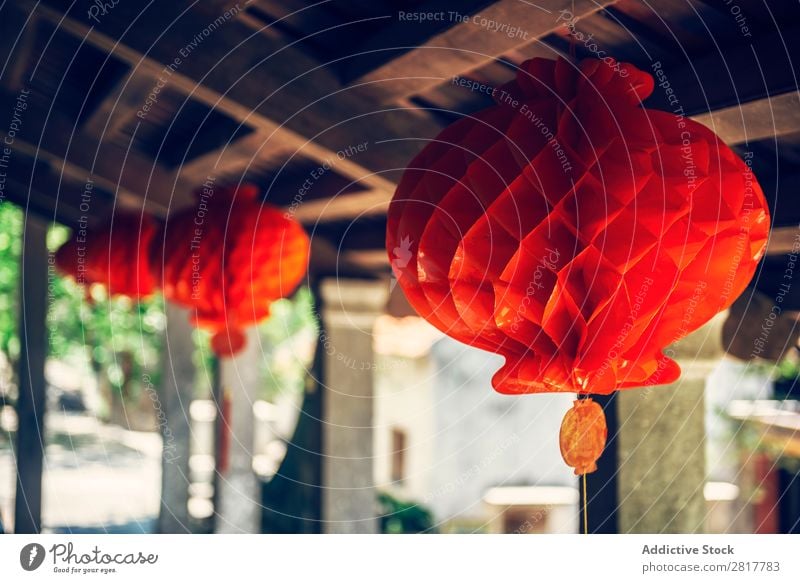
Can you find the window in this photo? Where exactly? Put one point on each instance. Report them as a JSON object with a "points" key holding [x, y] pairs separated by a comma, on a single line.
{"points": [[398, 454]]}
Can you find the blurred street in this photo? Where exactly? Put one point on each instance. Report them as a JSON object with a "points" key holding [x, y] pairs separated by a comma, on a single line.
{"points": [[97, 477]]}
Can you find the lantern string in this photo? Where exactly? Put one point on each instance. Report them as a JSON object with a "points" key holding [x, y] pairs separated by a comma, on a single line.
{"points": [[582, 396], [572, 51], [585, 508]]}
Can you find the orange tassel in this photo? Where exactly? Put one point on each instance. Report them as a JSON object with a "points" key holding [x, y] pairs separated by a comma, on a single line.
{"points": [[583, 436]]}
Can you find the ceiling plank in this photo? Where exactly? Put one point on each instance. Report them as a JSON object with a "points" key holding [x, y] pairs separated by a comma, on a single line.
{"points": [[34, 185], [754, 94], [56, 140], [17, 38], [784, 240], [118, 106], [755, 120], [740, 74], [39, 200], [470, 41], [342, 207], [234, 157], [259, 80]]}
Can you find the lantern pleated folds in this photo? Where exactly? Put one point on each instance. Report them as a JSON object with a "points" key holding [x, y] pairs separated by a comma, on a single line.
{"points": [[115, 255], [228, 258], [574, 231]]}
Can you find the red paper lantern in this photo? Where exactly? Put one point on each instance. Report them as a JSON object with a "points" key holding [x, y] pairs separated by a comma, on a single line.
{"points": [[228, 258], [575, 232], [115, 256]]}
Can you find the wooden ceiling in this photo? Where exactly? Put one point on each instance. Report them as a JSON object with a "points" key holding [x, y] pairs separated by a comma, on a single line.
{"points": [[323, 104]]}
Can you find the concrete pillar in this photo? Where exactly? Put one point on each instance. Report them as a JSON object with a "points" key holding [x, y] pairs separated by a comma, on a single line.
{"points": [[239, 497], [661, 455], [349, 310], [176, 394], [33, 353]]}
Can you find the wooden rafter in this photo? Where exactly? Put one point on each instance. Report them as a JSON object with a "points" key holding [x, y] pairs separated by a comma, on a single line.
{"points": [[234, 157], [784, 240], [754, 93], [118, 106], [298, 107], [732, 76], [132, 176], [407, 66], [343, 207], [776, 116], [16, 43], [48, 195], [259, 80]]}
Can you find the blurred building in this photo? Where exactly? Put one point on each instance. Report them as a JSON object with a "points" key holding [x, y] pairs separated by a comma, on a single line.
{"points": [[444, 438]]}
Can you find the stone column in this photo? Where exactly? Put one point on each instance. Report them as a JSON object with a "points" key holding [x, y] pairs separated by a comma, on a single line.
{"points": [[32, 402], [661, 454], [175, 395], [349, 310], [239, 495]]}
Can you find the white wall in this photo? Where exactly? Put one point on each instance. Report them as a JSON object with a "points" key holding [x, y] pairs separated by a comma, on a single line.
{"points": [[464, 438], [404, 389]]}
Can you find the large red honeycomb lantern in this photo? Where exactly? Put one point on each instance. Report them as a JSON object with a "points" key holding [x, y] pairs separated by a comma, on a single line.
{"points": [[115, 256], [576, 233], [228, 258]]}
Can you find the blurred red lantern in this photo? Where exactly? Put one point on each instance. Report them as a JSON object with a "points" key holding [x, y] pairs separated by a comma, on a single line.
{"points": [[115, 256], [575, 232], [228, 258]]}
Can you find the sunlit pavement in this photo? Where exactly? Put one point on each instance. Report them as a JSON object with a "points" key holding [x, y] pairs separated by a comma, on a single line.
{"points": [[97, 477]]}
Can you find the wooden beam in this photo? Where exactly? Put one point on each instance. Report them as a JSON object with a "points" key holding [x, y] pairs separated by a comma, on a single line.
{"points": [[51, 198], [412, 65], [730, 76], [369, 259], [297, 14], [134, 178], [784, 240], [774, 116], [34, 182], [16, 43], [342, 207], [653, 21], [118, 107], [234, 157], [255, 78], [31, 403], [608, 32]]}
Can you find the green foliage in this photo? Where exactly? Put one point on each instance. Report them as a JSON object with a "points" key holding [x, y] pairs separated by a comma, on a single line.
{"points": [[289, 337], [786, 376], [98, 328], [788, 369], [290, 317], [399, 517], [103, 328], [11, 227]]}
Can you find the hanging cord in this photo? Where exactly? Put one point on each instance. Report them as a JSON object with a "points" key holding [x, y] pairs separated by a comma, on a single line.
{"points": [[585, 508], [572, 51], [582, 396]]}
